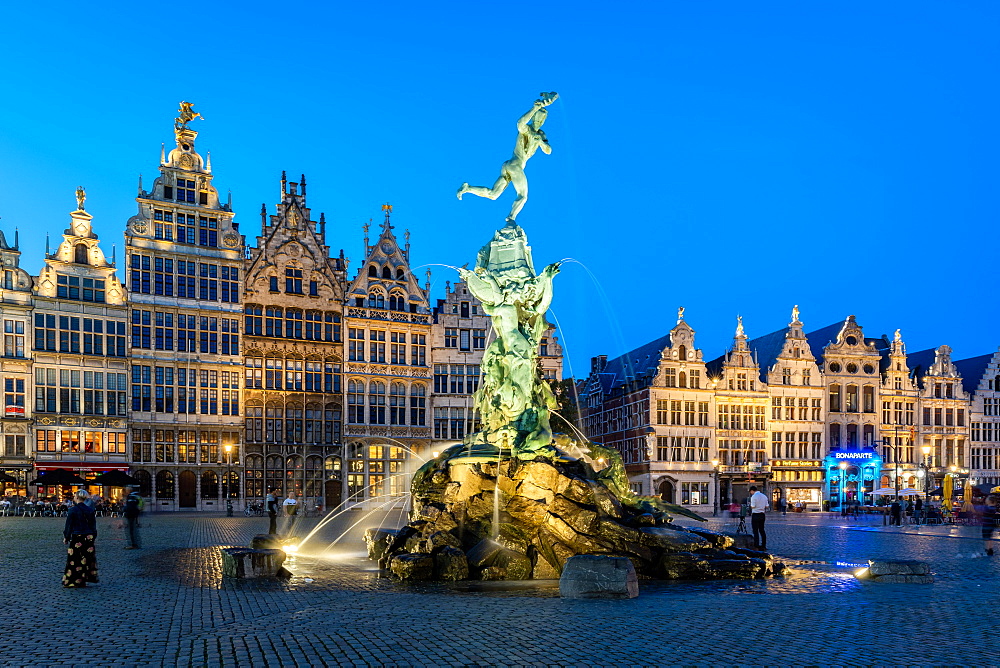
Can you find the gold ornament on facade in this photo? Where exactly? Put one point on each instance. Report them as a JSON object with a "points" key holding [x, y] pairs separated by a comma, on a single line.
{"points": [[81, 197]]}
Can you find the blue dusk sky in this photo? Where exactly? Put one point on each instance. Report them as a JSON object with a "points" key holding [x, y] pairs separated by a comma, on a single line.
{"points": [[730, 157]]}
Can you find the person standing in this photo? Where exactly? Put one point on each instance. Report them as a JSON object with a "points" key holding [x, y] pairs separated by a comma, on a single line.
{"points": [[895, 514], [79, 534], [291, 506], [271, 502], [133, 508], [758, 506], [783, 506], [986, 516]]}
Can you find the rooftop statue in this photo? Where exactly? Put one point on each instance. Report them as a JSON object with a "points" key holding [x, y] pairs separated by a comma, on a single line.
{"points": [[530, 138], [186, 116]]}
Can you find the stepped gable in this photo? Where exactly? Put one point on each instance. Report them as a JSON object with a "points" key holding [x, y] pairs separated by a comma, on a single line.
{"points": [[972, 370]]}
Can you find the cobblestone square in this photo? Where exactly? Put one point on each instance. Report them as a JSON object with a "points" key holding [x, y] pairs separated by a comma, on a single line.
{"points": [[167, 604]]}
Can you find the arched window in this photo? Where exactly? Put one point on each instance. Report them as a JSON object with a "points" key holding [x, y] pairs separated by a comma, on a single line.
{"points": [[209, 485], [682, 380], [682, 352], [418, 405], [293, 475], [355, 401], [399, 274], [835, 398], [376, 402], [164, 485], [255, 477], [81, 254], [835, 435], [145, 482], [397, 404], [397, 302], [332, 466], [372, 271], [387, 272], [376, 299], [868, 399]]}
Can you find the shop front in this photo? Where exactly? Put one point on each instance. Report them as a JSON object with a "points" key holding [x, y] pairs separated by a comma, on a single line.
{"points": [[799, 481], [86, 470], [851, 477], [735, 482]]}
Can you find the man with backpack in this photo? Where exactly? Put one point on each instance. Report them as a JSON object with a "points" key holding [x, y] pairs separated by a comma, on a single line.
{"points": [[133, 508]]}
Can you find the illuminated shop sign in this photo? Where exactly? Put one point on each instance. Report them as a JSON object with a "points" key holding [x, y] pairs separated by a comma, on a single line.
{"points": [[853, 455]]}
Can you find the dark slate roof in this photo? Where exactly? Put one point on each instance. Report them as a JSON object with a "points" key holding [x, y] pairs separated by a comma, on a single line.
{"points": [[767, 348], [919, 363], [972, 370], [822, 337], [633, 364]]}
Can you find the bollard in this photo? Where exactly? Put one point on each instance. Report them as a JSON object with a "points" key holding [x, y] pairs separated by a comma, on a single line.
{"points": [[229, 508]]}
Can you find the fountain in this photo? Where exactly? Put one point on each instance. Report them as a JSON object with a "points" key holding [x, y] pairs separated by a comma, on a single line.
{"points": [[515, 501]]}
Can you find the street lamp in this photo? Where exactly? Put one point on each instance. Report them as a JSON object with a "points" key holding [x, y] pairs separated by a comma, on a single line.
{"points": [[228, 447], [926, 450], [715, 490]]}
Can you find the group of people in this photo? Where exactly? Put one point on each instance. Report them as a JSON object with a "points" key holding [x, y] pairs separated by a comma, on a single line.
{"points": [[80, 533], [289, 511]]}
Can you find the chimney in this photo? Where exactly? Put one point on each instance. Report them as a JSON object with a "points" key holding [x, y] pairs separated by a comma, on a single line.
{"points": [[598, 363]]}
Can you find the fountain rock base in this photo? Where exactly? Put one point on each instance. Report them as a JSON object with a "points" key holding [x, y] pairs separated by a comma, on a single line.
{"points": [[515, 520]]}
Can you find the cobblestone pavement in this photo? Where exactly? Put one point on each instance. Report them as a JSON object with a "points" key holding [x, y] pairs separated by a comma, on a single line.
{"points": [[167, 604]]}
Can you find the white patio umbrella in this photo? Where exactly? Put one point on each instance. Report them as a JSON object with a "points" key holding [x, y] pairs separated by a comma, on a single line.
{"points": [[885, 490], [909, 492]]}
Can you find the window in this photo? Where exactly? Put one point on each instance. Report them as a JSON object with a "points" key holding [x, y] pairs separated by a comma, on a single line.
{"points": [[463, 340], [835, 398], [418, 349], [703, 414], [13, 338], [314, 288], [376, 402], [397, 404], [85, 289], [14, 446], [786, 376], [13, 397], [273, 284], [293, 280], [670, 377], [208, 231], [478, 339], [662, 411], [355, 401], [376, 345], [450, 338]]}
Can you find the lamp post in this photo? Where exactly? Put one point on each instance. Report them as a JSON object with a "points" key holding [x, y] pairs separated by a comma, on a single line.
{"points": [[715, 490], [229, 466], [926, 450]]}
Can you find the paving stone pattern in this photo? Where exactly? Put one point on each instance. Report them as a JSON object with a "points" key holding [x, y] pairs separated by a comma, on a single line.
{"points": [[168, 605]]}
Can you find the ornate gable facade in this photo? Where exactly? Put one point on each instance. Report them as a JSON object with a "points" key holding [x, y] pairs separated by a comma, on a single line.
{"points": [[79, 347], [293, 355], [185, 273], [387, 371]]}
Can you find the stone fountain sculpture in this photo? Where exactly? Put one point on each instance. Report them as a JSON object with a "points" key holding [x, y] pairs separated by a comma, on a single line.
{"points": [[515, 501]]}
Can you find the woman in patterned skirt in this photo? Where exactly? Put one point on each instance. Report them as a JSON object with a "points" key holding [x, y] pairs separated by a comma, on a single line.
{"points": [[79, 535]]}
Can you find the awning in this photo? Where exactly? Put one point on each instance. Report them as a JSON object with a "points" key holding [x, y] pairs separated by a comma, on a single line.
{"points": [[81, 466]]}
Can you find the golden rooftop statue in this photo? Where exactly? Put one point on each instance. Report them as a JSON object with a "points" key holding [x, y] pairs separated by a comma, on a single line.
{"points": [[530, 138], [81, 197], [186, 116]]}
